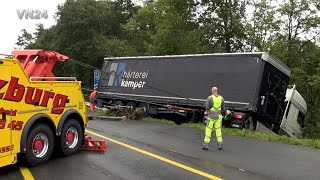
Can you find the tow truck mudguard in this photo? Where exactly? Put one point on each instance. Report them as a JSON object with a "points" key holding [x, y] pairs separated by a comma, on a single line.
{"points": [[26, 129]]}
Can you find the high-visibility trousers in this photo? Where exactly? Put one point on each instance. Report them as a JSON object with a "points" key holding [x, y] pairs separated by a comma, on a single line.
{"points": [[92, 107], [216, 124]]}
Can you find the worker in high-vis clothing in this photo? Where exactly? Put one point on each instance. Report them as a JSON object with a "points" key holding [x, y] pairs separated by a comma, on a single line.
{"points": [[93, 100], [215, 106]]}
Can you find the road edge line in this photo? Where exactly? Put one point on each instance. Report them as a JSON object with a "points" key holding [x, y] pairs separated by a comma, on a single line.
{"points": [[196, 171], [26, 173]]}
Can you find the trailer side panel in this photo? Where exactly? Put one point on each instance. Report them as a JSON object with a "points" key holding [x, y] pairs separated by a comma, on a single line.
{"points": [[191, 77]]}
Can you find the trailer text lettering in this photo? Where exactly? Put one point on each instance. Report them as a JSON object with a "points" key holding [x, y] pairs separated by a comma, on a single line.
{"points": [[136, 75], [132, 84], [125, 82]]}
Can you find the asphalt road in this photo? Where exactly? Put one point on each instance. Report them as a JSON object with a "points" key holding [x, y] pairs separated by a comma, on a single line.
{"points": [[242, 158]]}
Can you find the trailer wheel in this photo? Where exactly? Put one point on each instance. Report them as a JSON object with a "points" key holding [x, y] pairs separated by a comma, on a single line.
{"points": [[118, 103], [40, 144], [132, 105], [249, 124], [99, 104], [71, 137], [145, 108]]}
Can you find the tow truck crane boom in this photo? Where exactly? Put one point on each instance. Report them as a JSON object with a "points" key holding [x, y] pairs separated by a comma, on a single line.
{"points": [[38, 62]]}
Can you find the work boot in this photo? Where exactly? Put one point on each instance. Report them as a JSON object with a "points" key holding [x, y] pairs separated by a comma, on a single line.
{"points": [[220, 146], [205, 146]]}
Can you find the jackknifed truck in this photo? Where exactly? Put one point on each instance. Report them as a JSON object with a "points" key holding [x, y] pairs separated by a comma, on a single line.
{"points": [[255, 87]]}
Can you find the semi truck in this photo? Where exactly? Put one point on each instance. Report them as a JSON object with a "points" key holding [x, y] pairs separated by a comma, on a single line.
{"points": [[39, 113], [255, 87]]}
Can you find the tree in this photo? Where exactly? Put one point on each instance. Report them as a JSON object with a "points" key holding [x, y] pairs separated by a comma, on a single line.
{"points": [[166, 27], [293, 43], [300, 20], [84, 29], [262, 24], [307, 79], [25, 39], [224, 21], [39, 30]]}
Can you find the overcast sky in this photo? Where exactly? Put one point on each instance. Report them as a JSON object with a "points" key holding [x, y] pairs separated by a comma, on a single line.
{"points": [[11, 25]]}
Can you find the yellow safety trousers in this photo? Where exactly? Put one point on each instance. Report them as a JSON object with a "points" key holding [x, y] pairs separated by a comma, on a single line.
{"points": [[216, 123]]}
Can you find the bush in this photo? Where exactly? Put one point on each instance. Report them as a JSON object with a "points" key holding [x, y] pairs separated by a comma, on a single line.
{"points": [[312, 128], [120, 112], [138, 113], [125, 112], [110, 112]]}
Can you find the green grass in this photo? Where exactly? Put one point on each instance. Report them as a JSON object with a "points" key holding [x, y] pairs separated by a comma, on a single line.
{"points": [[100, 111], [246, 133]]}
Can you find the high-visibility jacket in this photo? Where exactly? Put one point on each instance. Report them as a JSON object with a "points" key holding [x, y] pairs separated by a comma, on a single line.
{"points": [[215, 110], [217, 102], [92, 100], [93, 96]]}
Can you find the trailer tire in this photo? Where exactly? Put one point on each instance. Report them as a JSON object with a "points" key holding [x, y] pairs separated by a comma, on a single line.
{"points": [[132, 104], [118, 103], [249, 124], [40, 145], [145, 108], [99, 104], [71, 137]]}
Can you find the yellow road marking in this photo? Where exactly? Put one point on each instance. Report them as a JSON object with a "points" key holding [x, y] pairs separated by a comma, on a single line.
{"points": [[26, 173], [158, 157]]}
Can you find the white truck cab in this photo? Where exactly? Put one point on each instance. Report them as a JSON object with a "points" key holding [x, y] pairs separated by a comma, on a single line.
{"points": [[294, 116]]}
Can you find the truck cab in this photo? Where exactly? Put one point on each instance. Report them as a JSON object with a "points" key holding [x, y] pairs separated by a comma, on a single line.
{"points": [[294, 116]]}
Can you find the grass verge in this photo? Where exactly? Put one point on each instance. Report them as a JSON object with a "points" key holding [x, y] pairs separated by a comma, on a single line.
{"points": [[245, 133]]}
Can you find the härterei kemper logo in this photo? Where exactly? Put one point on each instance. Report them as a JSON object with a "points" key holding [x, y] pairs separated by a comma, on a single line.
{"points": [[126, 78]]}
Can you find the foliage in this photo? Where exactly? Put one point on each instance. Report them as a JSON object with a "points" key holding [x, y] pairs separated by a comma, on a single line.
{"points": [[138, 113], [165, 27], [224, 23]]}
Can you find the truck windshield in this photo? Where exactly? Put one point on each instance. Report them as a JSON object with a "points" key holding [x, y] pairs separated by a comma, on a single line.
{"points": [[300, 119]]}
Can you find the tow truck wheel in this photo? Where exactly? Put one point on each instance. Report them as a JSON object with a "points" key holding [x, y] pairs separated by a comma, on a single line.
{"points": [[40, 144], [71, 137]]}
